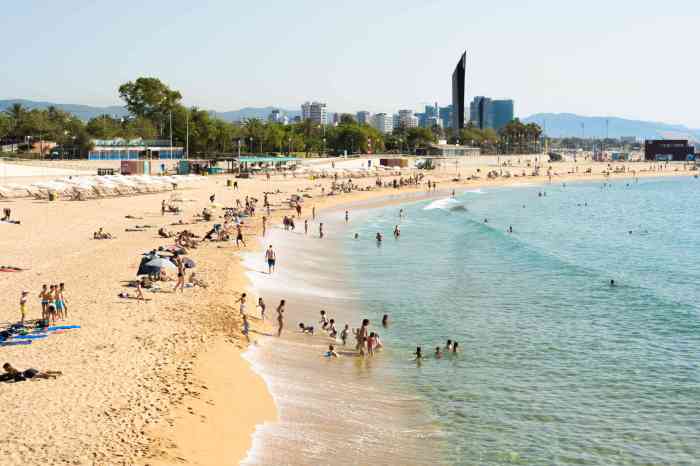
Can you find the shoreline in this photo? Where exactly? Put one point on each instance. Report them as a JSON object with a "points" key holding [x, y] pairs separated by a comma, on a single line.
{"points": [[146, 359]]}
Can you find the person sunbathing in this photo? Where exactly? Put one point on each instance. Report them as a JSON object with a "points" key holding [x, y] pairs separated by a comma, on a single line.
{"points": [[101, 234], [164, 233], [194, 281], [12, 374]]}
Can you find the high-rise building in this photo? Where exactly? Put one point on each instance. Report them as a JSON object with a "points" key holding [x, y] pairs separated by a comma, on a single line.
{"points": [[314, 111], [407, 119], [363, 117], [485, 112], [276, 116], [383, 122], [445, 114], [458, 90], [502, 113]]}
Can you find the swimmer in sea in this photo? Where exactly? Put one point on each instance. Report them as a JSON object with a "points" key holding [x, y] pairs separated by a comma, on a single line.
{"points": [[397, 232], [454, 347], [418, 354], [385, 320], [331, 353], [448, 346], [510, 229], [379, 237], [438, 353], [357, 236], [612, 282]]}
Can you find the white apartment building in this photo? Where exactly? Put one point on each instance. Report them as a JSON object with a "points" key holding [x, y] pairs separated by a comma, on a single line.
{"points": [[314, 111], [407, 119], [383, 122]]}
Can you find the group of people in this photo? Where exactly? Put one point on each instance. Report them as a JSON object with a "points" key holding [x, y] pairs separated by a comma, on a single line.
{"points": [[53, 303], [451, 347]]}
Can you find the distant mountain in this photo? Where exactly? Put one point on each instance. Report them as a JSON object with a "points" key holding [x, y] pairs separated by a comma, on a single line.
{"points": [[570, 125], [260, 113], [84, 112]]}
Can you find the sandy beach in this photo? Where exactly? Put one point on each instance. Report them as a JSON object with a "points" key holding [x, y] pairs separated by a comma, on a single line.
{"points": [[162, 381]]}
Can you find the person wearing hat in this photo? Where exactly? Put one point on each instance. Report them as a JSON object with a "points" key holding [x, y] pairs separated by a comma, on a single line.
{"points": [[23, 305]]}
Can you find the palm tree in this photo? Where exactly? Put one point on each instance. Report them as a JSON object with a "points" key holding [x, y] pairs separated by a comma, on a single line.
{"points": [[17, 115]]}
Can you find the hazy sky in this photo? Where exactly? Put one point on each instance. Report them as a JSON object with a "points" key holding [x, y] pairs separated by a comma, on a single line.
{"points": [[591, 57]]}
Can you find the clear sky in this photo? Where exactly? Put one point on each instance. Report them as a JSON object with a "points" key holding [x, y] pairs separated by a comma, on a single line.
{"points": [[625, 58]]}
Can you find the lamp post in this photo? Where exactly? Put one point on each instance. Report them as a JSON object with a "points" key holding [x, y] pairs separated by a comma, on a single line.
{"points": [[323, 154], [251, 144], [289, 151]]}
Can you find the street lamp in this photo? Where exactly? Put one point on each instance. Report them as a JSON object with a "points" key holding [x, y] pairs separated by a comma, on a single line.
{"points": [[324, 147], [251, 144]]}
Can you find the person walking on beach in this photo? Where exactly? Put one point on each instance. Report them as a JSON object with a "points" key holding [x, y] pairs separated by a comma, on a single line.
{"points": [[242, 300], [246, 328], [271, 259], [239, 236], [280, 317], [162, 208], [313, 213], [306, 226], [261, 305], [347, 216], [298, 208], [320, 230], [264, 225]]}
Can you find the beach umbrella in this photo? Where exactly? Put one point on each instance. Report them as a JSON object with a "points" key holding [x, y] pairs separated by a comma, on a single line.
{"points": [[154, 266]]}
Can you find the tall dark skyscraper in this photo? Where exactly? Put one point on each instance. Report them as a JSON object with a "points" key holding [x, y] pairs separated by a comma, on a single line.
{"points": [[458, 88]]}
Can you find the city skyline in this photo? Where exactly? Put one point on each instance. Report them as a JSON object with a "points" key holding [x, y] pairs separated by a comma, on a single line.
{"points": [[331, 55]]}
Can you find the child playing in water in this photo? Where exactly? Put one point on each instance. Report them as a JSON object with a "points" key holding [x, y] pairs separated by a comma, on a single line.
{"points": [[344, 334], [371, 343], [332, 331], [331, 352], [306, 329], [324, 320]]}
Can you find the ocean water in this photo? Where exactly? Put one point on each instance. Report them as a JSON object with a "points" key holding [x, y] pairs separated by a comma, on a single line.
{"points": [[555, 365]]}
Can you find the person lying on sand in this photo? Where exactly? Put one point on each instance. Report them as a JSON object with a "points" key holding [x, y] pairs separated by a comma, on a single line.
{"points": [[13, 375], [101, 234], [164, 233], [194, 281]]}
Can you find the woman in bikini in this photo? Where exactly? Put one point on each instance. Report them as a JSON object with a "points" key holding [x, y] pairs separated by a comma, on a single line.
{"points": [[280, 317]]}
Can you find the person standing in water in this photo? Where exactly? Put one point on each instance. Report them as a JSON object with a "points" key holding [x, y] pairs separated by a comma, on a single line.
{"points": [[306, 226], [347, 216], [280, 317], [271, 258], [320, 230], [397, 232], [313, 213], [264, 225], [379, 237]]}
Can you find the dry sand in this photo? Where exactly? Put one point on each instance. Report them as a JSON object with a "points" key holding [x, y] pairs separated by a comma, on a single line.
{"points": [[160, 382]]}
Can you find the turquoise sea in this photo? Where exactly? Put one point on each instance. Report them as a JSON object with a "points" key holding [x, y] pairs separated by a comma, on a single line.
{"points": [[556, 366]]}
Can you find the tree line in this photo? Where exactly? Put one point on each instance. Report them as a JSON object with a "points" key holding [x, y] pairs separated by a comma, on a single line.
{"points": [[156, 112]]}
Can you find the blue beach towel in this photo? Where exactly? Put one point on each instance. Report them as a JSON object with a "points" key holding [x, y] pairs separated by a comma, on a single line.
{"points": [[29, 337], [13, 343], [63, 327]]}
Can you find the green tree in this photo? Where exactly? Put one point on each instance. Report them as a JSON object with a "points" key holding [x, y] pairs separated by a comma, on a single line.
{"points": [[149, 98], [105, 127], [419, 137]]}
